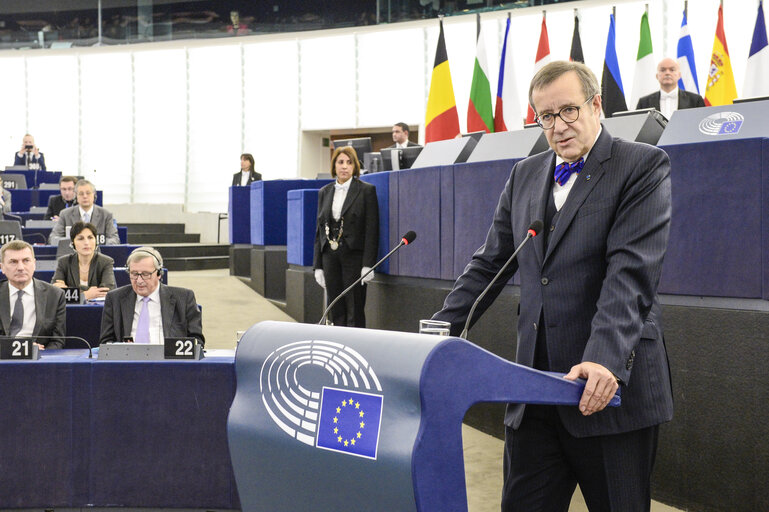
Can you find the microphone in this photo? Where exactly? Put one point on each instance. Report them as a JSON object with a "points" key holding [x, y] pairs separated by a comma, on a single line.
{"points": [[534, 229], [405, 240], [90, 352]]}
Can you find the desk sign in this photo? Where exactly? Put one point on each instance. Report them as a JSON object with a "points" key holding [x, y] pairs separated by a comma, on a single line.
{"points": [[7, 237], [101, 238], [182, 348], [72, 295], [8, 185], [13, 348]]}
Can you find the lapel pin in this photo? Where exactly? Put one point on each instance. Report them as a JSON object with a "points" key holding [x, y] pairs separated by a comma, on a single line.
{"points": [[587, 178]]}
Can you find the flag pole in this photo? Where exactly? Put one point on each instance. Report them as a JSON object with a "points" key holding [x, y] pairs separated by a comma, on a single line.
{"points": [[686, 8], [477, 26]]}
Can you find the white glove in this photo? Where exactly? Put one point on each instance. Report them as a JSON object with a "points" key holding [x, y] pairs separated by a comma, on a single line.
{"points": [[320, 278], [368, 277]]}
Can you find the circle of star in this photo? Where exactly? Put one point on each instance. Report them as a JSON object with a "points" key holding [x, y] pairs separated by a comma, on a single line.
{"points": [[349, 405]]}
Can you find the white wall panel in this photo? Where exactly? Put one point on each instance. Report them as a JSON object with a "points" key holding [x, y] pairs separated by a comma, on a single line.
{"points": [[14, 108], [106, 124], [328, 82], [215, 109], [271, 106], [161, 126], [53, 109]]}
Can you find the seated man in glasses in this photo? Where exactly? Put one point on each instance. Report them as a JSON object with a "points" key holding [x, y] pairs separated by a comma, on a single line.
{"points": [[148, 311]]}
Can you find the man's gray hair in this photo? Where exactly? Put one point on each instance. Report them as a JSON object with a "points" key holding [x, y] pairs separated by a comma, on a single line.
{"points": [[141, 253], [551, 72], [83, 183]]}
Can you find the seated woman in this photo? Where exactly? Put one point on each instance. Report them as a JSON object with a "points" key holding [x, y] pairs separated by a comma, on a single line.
{"points": [[86, 269]]}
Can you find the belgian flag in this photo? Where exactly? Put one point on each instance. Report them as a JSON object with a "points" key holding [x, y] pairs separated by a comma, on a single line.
{"points": [[441, 120]]}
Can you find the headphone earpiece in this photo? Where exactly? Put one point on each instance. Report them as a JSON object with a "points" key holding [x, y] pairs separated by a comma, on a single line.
{"points": [[157, 260]]}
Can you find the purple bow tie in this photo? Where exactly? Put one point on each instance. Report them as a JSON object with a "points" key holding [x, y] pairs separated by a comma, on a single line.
{"points": [[565, 170]]}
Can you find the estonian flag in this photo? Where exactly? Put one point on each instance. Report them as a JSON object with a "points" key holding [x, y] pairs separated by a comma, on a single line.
{"points": [[612, 93]]}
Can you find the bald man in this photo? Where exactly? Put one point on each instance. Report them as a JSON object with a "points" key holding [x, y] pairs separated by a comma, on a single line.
{"points": [[670, 98]]}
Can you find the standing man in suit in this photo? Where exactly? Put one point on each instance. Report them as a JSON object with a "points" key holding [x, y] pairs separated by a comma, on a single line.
{"points": [[28, 306], [86, 211], [148, 311], [670, 98], [247, 174], [29, 154], [401, 136], [588, 302], [346, 237], [64, 200]]}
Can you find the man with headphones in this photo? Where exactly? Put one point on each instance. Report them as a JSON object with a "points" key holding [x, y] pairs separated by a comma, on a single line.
{"points": [[147, 311]]}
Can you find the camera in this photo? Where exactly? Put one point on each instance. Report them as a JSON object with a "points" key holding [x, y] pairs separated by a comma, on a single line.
{"points": [[29, 147]]}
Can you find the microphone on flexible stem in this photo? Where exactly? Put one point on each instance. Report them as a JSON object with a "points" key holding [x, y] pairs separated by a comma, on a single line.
{"points": [[405, 240], [78, 338], [534, 229]]}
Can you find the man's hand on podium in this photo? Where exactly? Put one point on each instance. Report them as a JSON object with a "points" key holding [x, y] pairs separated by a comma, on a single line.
{"points": [[599, 389]]}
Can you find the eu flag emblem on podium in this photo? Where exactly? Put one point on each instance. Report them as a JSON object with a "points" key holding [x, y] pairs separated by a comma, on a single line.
{"points": [[349, 422]]}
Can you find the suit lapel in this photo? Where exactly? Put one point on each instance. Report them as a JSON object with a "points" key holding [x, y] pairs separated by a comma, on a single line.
{"points": [[352, 193], [167, 305], [327, 199], [586, 181], [657, 100], [128, 308], [538, 202], [41, 299], [5, 307]]}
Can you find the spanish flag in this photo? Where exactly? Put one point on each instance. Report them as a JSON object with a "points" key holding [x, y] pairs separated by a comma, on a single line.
{"points": [[441, 120], [720, 89]]}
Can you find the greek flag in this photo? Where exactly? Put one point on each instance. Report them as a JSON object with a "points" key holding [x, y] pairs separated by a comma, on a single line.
{"points": [[688, 80]]}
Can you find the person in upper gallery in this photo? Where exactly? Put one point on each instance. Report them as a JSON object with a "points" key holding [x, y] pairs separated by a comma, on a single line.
{"points": [[5, 199], [670, 98], [148, 311], [589, 306], [58, 202], [346, 237], [401, 136], [29, 306], [247, 174], [86, 268], [29, 155], [86, 211]]}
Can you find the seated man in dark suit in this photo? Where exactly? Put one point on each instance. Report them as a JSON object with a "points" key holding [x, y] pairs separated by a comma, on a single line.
{"points": [[670, 98], [148, 311], [86, 211], [64, 200], [401, 136], [29, 154], [29, 307]]}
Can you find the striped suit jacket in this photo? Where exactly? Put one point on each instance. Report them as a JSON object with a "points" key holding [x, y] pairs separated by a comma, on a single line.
{"points": [[595, 284]]}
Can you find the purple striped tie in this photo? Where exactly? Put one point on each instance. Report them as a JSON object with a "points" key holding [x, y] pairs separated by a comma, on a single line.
{"points": [[143, 325]]}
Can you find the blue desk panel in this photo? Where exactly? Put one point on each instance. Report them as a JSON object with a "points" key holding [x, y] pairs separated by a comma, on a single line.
{"points": [[23, 199], [301, 223], [36, 177], [239, 215], [119, 253], [269, 205], [719, 237], [387, 240], [40, 235], [116, 433]]}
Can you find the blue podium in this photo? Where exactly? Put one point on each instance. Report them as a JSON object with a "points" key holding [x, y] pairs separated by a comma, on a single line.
{"points": [[334, 418]]}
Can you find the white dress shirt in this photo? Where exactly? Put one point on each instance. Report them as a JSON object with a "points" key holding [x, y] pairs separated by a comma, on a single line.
{"points": [[244, 175], [668, 102], [340, 194], [561, 192], [28, 301], [156, 318]]}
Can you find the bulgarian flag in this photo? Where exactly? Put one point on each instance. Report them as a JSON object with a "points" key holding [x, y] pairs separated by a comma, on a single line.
{"points": [[644, 81], [507, 110], [720, 89], [479, 115], [441, 119], [543, 57]]}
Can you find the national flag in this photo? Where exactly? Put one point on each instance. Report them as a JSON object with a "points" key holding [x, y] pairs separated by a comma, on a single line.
{"points": [[507, 110], [479, 114], [644, 80], [688, 80], [441, 119], [720, 89], [543, 57], [575, 54], [612, 93], [349, 422], [757, 71]]}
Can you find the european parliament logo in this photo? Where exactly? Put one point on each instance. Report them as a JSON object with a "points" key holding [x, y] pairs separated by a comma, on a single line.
{"points": [[722, 123], [323, 394], [349, 422]]}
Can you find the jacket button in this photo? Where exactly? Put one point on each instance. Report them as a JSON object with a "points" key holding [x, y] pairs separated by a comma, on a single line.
{"points": [[544, 281], [535, 326]]}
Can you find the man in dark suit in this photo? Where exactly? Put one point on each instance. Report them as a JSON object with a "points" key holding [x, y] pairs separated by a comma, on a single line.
{"points": [[588, 302], [670, 98], [247, 174], [29, 154], [147, 311], [28, 306], [64, 200], [401, 136], [87, 211]]}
